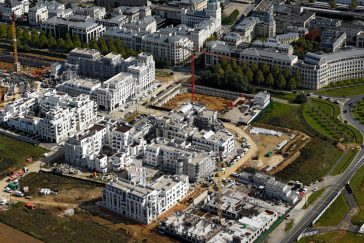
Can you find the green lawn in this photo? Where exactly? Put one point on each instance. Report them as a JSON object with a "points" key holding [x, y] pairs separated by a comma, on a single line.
{"points": [[282, 95], [313, 197], [340, 92], [13, 154], [49, 226], [317, 156], [334, 237], [322, 116], [341, 167], [358, 111], [357, 185], [36, 181], [334, 214]]}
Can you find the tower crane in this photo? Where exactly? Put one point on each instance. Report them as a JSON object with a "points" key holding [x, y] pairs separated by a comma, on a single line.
{"points": [[15, 46], [193, 59]]}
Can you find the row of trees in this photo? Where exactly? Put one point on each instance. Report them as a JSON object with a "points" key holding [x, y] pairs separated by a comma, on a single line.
{"points": [[34, 39], [230, 75]]}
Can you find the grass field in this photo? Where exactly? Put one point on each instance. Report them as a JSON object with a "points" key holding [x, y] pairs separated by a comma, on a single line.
{"points": [[341, 167], [282, 95], [357, 185], [340, 92], [334, 214], [35, 181], [334, 237], [13, 154], [323, 117], [358, 111], [316, 157], [313, 197], [49, 226]]}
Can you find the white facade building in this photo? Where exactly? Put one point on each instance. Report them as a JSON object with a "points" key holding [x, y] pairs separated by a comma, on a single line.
{"points": [[144, 203], [114, 92], [61, 116], [37, 15], [17, 7]]}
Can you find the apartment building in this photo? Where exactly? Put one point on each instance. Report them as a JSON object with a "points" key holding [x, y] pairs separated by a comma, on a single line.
{"points": [[146, 25], [38, 15], [90, 63], [84, 150], [114, 92], [94, 12], [18, 8], [117, 3], [319, 71], [179, 160], [53, 117], [144, 203], [87, 30], [221, 143], [191, 17], [118, 21], [332, 40], [360, 39], [79, 86], [132, 13]]}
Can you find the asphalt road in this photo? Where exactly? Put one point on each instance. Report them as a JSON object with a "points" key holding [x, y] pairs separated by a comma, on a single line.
{"points": [[329, 195]]}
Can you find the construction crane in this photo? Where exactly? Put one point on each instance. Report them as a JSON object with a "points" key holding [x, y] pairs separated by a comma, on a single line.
{"points": [[15, 46], [193, 59]]}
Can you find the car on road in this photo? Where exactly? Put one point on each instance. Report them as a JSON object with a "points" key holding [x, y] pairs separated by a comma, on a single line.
{"points": [[315, 189]]}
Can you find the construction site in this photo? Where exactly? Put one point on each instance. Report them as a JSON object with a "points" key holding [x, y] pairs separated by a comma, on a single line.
{"points": [[20, 72]]}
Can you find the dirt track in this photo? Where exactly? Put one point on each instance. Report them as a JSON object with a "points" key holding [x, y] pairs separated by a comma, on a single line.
{"points": [[211, 102]]}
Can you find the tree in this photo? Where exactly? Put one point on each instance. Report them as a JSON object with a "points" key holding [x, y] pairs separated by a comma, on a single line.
{"points": [[26, 37], [76, 41], [61, 44], [3, 31], [265, 69], [269, 81], [52, 43], [19, 33], [287, 73], [112, 47], [259, 77], [43, 41], [69, 44], [300, 98], [249, 75], [281, 82], [332, 3], [353, 4], [94, 45], [312, 1], [276, 71], [103, 46], [255, 67], [292, 83]]}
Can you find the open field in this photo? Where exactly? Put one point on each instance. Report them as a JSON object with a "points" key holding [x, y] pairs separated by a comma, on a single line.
{"points": [[316, 157], [211, 102], [358, 111], [334, 214], [333, 237], [340, 91], [323, 117], [90, 223], [357, 185], [48, 224], [13, 154], [70, 190], [313, 197]]}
